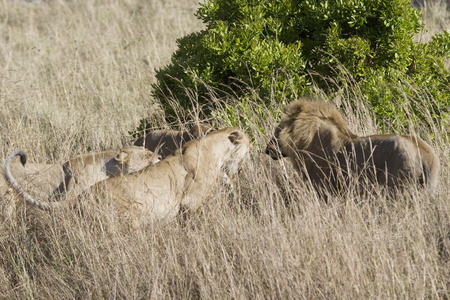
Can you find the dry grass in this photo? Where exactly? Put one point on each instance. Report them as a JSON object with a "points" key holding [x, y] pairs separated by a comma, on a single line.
{"points": [[75, 77], [436, 16]]}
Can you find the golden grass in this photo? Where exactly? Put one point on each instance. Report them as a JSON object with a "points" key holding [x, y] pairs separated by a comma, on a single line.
{"points": [[75, 77]]}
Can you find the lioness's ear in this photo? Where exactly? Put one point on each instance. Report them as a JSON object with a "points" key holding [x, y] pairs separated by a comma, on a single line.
{"points": [[121, 157], [235, 137], [293, 108]]}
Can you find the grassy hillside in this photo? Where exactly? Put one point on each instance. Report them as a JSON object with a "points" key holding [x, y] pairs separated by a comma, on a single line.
{"points": [[75, 77]]}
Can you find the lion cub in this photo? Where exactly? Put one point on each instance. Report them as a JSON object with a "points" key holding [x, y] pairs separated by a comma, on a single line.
{"points": [[167, 141], [183, 180]]}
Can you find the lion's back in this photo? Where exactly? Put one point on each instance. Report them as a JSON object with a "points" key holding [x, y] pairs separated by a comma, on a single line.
{"points": [[403, 157]]}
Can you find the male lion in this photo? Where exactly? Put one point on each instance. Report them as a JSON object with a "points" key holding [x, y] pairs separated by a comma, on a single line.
{"points": [[316, 139], [181, 181], [167, 141], [85, 170]]}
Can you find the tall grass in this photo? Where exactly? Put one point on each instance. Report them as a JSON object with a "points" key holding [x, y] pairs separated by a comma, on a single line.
{"points": [[435, 15], [75, 77]]}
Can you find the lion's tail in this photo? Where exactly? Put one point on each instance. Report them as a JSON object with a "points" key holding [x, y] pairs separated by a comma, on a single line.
{"points": [[12, 181]]}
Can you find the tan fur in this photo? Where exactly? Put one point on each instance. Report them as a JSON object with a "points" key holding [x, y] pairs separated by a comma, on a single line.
{"points": [[181, 181], [85, 170], [319, 144], [40, 179], [82, 171], [167, 141]]}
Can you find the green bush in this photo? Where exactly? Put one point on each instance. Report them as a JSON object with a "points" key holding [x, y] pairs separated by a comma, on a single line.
{"points": [[279, 48]]}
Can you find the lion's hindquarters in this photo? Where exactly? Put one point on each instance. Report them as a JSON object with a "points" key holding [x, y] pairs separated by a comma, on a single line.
{"points": [[18, 188], [430, 164], [391, 160], [39, 179]]}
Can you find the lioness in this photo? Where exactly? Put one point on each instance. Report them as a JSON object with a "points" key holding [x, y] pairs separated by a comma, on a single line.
{"points": [[167, 141], [183, 180], [85, 170], [316, 139]]}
